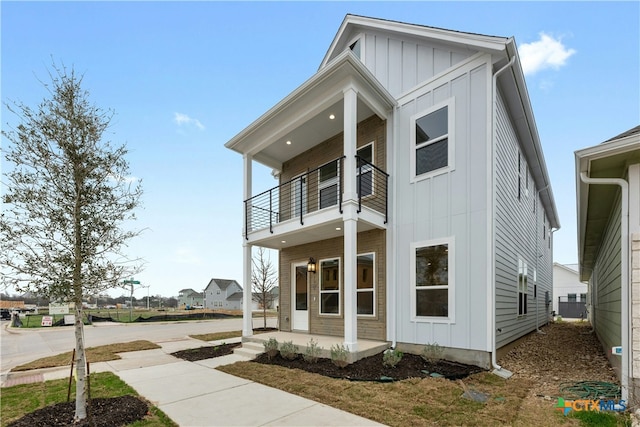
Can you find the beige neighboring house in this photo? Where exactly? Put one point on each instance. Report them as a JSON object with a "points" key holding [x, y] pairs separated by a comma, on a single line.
{"points": [[569, 293], [608, 205]]}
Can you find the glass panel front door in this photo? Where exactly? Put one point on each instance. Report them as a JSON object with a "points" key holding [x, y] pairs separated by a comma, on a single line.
{"points": [[300, 297]]}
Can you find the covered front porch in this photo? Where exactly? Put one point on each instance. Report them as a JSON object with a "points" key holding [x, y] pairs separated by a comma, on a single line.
{"points": [[365, 348]]}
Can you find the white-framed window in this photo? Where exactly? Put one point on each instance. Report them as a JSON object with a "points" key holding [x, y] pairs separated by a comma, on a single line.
{"points": [[330, 285], [432, 138], [365, 172], [523, 286], [433, 280], [366, 293], [328, 184]]}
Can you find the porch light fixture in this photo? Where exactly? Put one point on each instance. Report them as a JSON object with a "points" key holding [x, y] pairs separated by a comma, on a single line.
{"points": [[311, 266]]}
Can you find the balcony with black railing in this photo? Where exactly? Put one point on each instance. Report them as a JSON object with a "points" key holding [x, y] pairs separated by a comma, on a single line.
{"points": [[317, 190]]}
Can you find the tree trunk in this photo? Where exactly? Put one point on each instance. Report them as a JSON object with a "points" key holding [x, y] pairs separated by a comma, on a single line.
{"points": [[81, 371], [264, 313]]}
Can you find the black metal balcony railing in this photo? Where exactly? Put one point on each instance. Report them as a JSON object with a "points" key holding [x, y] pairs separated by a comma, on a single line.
{"points": [[317, 189]]}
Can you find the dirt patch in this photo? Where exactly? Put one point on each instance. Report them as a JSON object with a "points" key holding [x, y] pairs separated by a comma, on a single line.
{"points": [[201, 353], [565, 353], [372, 369], [111, 412]]}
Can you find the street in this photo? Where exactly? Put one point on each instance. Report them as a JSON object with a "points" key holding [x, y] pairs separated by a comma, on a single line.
{"points": [[19, 346]]}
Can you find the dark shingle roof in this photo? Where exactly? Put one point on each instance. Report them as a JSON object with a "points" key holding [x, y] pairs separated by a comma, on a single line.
{"points": [[630, 132], [236, 296]]}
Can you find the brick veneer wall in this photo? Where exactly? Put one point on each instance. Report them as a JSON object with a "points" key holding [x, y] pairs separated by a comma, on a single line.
{"points": [[373, 328]]}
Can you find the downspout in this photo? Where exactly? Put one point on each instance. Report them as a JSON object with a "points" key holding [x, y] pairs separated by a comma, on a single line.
{"points": [[535, 283], [624, 276], [492, 252], [394, 239]]}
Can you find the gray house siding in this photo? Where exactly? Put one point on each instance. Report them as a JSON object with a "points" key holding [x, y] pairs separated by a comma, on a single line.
{"points": [[519, 226], [452, 204], [217, 296], [606, 274]]}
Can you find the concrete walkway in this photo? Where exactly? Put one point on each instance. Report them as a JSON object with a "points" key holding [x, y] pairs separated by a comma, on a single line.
{"points": [[196, 394]]}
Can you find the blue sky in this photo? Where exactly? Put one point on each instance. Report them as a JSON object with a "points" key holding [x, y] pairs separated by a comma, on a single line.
{"points": [[185, 77]]}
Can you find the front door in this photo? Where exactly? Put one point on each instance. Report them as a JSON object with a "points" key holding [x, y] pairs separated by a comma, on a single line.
{"points": [[300, 297]]}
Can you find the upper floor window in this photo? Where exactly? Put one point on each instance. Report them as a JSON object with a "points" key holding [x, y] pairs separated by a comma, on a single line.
{"points": [[328, 184], [365, 170], [432, 279], [431, 133]]}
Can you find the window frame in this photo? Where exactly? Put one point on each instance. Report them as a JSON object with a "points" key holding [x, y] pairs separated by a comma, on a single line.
{"points": [[450, 136], [332, 291], [322, 185], [522, 283], [451, 286], [367, 169], [357, 39], [373, 287]]}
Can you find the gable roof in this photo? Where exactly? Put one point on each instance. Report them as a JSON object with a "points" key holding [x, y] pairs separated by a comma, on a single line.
{"points": [[187, 291], [353, 24], [222, 283], [236, 296]]}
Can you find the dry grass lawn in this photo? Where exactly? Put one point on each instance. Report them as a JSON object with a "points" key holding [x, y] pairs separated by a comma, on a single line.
{"points": [[103, 353], [415, 402]]}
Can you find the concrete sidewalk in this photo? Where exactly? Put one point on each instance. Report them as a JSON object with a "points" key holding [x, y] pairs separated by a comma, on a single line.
{"points": [[196, 394]]}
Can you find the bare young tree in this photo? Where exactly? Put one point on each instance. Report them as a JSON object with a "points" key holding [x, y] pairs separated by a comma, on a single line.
{"points": [[264, 281], [67, 199]]}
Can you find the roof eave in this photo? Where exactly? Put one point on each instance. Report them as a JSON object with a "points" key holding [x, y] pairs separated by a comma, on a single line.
{"points": [[346, 59]]}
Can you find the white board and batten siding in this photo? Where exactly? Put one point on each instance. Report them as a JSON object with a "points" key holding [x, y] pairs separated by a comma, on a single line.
{"points": [[517, 232], [446, 205], [402, 65]]}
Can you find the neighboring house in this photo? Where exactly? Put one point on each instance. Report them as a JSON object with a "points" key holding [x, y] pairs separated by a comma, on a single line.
{"points": [[271, 299], [414, 204], [608, 201], [191, 298], [569, 293], [223, 294]]}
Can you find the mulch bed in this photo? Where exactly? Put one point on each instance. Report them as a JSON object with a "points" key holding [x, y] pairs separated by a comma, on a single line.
{"points": [[371, 368], [111, 412], [201, 353]]}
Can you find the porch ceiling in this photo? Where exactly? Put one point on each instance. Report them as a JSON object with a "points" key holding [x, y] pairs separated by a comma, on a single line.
{"points": [[303, 116]]}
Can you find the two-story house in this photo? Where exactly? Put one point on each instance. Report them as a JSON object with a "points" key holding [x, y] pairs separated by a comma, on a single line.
{"points": [[414, 204], [190, 298], [223, 294]]}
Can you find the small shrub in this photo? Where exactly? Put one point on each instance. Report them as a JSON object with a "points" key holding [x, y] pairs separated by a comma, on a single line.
{"points": [[391, 357], [271, 348], [288, 350], [432, 352], [339, 355], [312, 352]]}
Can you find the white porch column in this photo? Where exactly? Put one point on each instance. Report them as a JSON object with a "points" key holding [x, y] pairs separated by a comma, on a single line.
{"points": [[247, 323], [350, 218]]}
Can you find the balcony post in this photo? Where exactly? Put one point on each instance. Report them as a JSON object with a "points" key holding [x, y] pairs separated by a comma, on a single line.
{"points": [[247, 323], [350, 218]]}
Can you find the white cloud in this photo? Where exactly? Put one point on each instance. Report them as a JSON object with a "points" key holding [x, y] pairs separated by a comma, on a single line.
{"points": [[547, 52], [185, 120], [126, 179]]}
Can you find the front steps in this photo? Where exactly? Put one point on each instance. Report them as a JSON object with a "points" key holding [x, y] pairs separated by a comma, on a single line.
{"points": [[249, 349]]}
